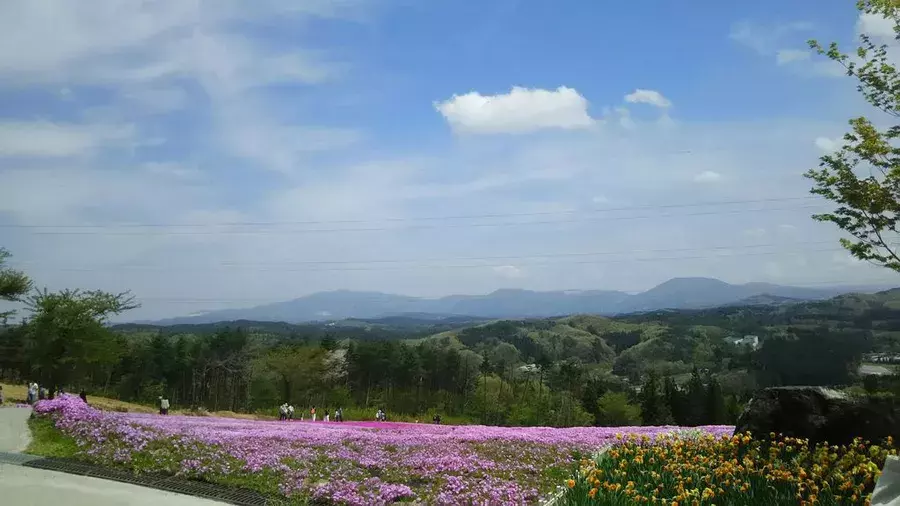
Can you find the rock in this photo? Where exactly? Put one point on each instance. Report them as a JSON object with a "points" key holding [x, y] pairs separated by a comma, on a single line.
{"points": [[819, 414]]}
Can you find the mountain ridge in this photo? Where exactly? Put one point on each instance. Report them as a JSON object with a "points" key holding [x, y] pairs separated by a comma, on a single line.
{"points": [[676, 293]]}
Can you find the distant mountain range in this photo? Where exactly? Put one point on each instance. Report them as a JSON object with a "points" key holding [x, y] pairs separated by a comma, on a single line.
{"points": [[677, 293]]}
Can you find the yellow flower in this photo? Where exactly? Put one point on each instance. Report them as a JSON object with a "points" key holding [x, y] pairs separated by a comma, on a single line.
{"points": [[592, 493], [571, 483]]}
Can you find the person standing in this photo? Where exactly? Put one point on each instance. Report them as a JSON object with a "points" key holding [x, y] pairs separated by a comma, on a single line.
{"points": [[290, 412], [83, 396], [163, 405], [312, 413]]}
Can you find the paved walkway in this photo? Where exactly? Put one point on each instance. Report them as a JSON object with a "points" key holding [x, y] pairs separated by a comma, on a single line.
{"points": [[23, 486], [14, 434]]}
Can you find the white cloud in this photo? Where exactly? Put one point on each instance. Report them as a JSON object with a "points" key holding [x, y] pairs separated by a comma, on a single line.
{"points": [[828, 145], [876, 25], [765, 39], [786, 56], [508, 271], [708, 176], [651, 97], [46, 139], [521, 110]]}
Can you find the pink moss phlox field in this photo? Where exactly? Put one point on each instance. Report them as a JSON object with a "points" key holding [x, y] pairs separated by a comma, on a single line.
{"points": [[350, 463]]}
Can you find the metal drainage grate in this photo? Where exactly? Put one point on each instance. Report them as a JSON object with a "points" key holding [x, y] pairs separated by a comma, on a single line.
{"points": [[16, 458], [237, 496]]}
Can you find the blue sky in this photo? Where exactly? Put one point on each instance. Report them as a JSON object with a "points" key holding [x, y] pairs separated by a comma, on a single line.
{"points": [[222, 154]]}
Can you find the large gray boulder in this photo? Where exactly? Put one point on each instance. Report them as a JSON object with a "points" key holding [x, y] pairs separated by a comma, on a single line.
{"points": [[819, 414]]}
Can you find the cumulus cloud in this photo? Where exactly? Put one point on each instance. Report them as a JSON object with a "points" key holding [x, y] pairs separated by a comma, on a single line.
{"points": [[708, 176], [651, 97], [521, 110]]}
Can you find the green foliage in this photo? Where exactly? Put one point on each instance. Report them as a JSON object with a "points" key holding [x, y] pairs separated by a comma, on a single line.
{"points": [[654, 410], [816, 356], [863, 177], [614, 410], [48, 441], [67, 334], [13, 284]]}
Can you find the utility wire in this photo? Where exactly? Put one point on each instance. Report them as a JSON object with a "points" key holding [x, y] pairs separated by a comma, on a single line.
{"points": [[103, 231], [445, 259], [482, 265], [411, 219]]}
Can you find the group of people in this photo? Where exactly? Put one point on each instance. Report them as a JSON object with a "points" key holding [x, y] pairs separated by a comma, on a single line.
{"points": [[37, 392], [286, 412], [380, 415]]}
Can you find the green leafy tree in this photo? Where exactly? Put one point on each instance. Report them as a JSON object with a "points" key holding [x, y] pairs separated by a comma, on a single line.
{"points": [[13, 284], [614, 409], [68, 335], [863, 176]]}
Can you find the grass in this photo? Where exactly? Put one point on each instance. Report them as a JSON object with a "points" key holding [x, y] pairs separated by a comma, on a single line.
{"points": [[18, 394], [48, 441]]}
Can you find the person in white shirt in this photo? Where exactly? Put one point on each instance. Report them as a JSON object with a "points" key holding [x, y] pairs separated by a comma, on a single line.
{"points": [[291, 412]]}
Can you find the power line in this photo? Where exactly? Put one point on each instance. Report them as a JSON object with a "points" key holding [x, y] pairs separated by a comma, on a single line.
{"points": [[445, 259], [482, 265], [412, 227], [411, 219]]}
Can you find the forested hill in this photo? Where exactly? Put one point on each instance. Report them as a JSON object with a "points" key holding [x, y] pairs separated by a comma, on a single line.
{"points": [[568, 370]]}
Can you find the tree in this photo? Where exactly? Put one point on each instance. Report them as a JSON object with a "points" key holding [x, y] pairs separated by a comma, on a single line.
{"points": [[13, 284], [675, 400], [715, 403], [614, 409], [67, 333], [654, 410], [863, 176], [696, 400]]}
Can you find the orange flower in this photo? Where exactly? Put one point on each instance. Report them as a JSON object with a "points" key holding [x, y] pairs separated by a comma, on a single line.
{"points": [[571, 483]]}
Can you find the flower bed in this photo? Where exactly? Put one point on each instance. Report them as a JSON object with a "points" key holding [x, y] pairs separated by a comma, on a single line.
{"points": [[361, 463], [736, 470]]}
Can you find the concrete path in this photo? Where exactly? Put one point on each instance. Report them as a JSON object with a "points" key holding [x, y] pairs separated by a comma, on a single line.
{"points": [[14, 434], [23, 486]]}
